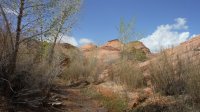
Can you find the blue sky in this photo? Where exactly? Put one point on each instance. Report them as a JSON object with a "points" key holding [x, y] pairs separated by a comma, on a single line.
{"points": [[99, 19], [162, 23]]}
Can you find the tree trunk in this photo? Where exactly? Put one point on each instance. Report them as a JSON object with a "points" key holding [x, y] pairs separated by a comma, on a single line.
{"points": [[51, 53], [18, 33]]}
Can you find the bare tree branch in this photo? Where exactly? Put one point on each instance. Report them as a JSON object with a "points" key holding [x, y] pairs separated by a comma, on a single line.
{"points": [[8, 84], [24, 26], [38, 5], [18, 31], [7, 26]]}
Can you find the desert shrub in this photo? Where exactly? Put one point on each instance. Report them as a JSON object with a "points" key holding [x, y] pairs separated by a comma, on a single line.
{"points": [[166, 77], [131, 52], [33, 64], [175, 75], [128, 74], [81, 68], [134, 54], [33, 78], [140, 55]]}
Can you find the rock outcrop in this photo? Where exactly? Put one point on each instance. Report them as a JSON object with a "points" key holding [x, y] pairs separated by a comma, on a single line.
{"points": [[113, 45], [139, 46], [88, 47], [189, 49], [112, 50]]}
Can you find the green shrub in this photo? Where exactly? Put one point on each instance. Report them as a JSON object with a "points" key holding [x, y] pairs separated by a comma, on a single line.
{"points": [[131, 53]]}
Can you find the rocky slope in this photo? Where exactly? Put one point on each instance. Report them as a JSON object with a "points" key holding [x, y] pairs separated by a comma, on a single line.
{"points": [[189, 49]]}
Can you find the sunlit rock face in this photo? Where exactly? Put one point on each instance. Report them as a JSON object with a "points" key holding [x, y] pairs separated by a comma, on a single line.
{"points": [[186, 50], [113, 44], [88, 47], [139, 46], [111, 50]]}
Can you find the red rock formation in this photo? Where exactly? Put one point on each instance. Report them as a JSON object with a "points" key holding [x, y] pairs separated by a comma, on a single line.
{"points": [[111, 50], [189, 49], [113, 44], [139, 46], [88, 47]]}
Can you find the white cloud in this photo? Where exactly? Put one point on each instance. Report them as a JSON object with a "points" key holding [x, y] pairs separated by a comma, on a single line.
{"points": [[180, 24], [69, 39], [168, 35], [194, 35], [85, 41]]}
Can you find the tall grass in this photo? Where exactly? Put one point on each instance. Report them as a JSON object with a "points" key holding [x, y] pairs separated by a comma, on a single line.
{"points": [[193, 81]]}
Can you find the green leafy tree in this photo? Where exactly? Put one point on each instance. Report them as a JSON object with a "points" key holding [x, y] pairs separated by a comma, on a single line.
{"points": [[126, 35]]}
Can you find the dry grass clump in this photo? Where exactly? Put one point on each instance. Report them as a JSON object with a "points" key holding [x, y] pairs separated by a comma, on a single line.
{"points": [[112, 104], [81, 68], [166, 76], [127, 73], [175, 107], [193, 81]]}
